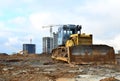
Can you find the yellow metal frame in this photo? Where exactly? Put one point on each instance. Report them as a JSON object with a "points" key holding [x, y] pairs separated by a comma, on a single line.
{"points": [[79, 39]]}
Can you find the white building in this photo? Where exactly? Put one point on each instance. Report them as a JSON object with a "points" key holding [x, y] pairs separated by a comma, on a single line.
{"points": [[55, 40], [47, 44]]}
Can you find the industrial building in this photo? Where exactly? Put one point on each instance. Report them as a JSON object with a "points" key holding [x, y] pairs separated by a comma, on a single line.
{"points": [[47, 44], [30, 48]]}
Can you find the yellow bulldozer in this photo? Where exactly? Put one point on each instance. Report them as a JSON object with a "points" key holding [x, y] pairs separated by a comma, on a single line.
{"points": [[77, 48]]}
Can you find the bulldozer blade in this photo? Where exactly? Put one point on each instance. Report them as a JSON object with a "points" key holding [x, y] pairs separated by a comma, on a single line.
{"points": [[91, 54]]}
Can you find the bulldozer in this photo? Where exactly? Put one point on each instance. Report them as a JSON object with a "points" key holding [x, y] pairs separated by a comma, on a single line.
{"points": [[75, 47]]}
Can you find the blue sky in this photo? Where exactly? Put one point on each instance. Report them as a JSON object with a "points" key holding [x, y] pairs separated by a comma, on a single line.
{"points": [[21, 20]]}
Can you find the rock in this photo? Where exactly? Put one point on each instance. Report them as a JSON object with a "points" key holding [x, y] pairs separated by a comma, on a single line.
{"points": [[1, 79], [20, 72], [8, 68], [50, 69]]}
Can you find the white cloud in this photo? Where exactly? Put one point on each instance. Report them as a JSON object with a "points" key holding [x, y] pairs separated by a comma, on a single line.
{"points": [[18, 20], [5, 34], [102, 16], [100, 7], [2, 25], [20, 10], [3, 30], [12, 42], [45, 18], [1, 14], [38, 20], [51, 18], [6, 3], [28, 1], [114, 42], [15, 43], [102, 20]]}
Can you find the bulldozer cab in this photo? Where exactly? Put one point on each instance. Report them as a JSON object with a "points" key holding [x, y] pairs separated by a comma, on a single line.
{"points": [[65, 31]]}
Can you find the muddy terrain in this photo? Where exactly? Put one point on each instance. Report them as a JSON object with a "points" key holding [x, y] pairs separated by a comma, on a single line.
{"points": [[40, 67]]}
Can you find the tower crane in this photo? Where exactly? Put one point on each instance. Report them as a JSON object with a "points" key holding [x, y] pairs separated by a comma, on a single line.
{"points": [[50, 26]]}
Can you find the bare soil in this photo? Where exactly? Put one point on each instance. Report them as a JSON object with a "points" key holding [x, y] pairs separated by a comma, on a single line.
{"points": [[41, 67]]}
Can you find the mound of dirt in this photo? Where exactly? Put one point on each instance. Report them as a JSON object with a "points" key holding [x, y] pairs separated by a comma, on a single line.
{"points": [[110, 79]]}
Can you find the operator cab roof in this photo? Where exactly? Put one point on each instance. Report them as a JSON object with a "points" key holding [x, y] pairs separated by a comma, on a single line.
{"points": [[69, 27]]}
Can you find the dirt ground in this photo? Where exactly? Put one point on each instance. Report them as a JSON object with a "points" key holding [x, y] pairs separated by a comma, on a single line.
{"points": [[35, 67]]}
